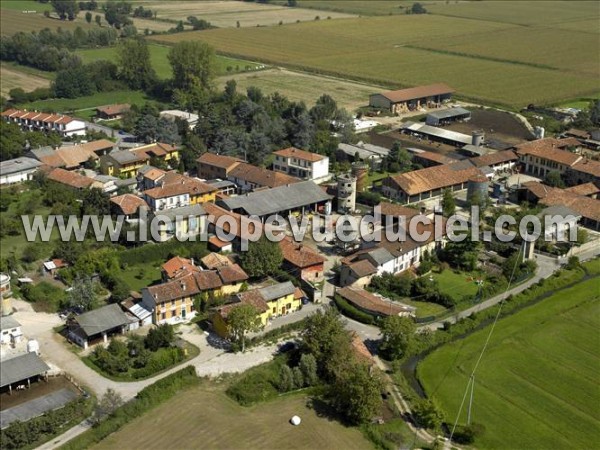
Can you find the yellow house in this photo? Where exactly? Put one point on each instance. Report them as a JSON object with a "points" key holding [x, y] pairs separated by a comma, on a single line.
{"points": [[270, 302], [171, 302], [126, 163]]}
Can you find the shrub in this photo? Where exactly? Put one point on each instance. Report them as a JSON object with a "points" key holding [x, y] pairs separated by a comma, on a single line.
{"points": [[350, 311], [161, 336], [466, 434]]}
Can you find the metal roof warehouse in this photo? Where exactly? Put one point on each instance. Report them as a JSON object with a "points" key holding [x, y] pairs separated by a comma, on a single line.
{"points": [[437, 134]]}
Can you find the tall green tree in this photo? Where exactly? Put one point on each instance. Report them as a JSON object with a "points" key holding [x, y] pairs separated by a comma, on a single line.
{"points": [[397, 336], [66, 9], [193, 64], [448, 203], [133, 61], [428, 414], [108, 404], [82, 293], [242, 320], [263, 257]]}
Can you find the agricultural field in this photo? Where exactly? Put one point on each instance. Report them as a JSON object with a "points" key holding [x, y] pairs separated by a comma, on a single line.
{"points": [[224, 14], [158, 56], [392, 51], [206, 415], [11, 78], [300, 86], [537, 384], [13, 21]]}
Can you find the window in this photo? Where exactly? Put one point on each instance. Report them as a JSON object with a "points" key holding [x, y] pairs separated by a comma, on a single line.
{"points": [[288, 306], [274, 310], [174, 313], [172, 302], [163, 316]]}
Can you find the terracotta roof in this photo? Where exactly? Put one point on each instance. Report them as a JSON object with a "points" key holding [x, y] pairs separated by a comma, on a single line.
{"points": [[581, 134], [435, 157], [153, 173], [360, 349], [585, 206], [111, 110], [403, 95], [215, 241], [129, 203], [494, 158], [215, 260], [232, 274], [363, 268], [293, 152], [298, 254], [373, 303], [435, 177], [252, 297], [207, 280], [216, 212], [75, 155], [299, 293], [584, 189], [68, 178], [588, 166], [178, 266], [221, 161], [550, 149], [393, 209], [184, 286], [100, 144], [176, 184], [44, 117], [261, 176]]}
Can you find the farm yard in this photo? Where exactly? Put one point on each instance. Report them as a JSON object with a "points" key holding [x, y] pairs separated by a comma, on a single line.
{"points": [[513, 390], [300, 86], [399, 51], [12, 78], [224, 14], [206, 415]]}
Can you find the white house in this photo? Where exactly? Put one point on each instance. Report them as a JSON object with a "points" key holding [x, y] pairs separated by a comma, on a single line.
{"points": [[301, 164], [34, 120], [18, 170], [10, 330], [174, 114]]}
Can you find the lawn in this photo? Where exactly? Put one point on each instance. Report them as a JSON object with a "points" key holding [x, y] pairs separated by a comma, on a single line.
{"points": [[25, 5], [141, 275], [206, 417], [458, 285], [72, 105], [537, 385], [158, 56], [299, 86], [483, 60]]}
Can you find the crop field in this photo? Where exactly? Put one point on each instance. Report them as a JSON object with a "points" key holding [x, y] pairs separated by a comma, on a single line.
{"points": [[299, 86], [13, 21], [390, 51], [205, 417], [11, 78], [225, 14], [537, 385], [26, 5], [158, 56]]}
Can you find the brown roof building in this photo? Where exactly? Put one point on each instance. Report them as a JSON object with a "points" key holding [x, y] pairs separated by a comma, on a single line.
{"points": [[110, 112], [127, 204], [374, 304], [301, 260], [412, 98], [71, 179], [211, 166], [249, 177]]}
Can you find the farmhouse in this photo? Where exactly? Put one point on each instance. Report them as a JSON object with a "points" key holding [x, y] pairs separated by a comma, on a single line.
{"points": [[301, 197], [404, 100], [18, 170], [249, 178], [21, 369], [212, 166], [36, 121], [374, 304], [302, 261], [68, 157], [10, 330], [497, 161], [112, 112], [95, 326], [423, 184], [301, 164], [175, 190], [447, 116], [126, 163], [271, 301]]}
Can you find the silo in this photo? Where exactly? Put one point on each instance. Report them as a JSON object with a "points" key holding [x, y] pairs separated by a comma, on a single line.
{"points": [[346, 193], [360, 171], [539, 132], [5, 294], [477, 138], [477, 188]]}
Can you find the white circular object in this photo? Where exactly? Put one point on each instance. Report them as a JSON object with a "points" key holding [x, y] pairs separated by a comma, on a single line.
{"points": [[295, 420]]}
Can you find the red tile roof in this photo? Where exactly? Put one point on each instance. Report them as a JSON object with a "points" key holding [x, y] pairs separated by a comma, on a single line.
{"points": [[588, 166], [370, 302], [72, 179], [418, 92], [495, 158], [293, 152], [431, 178], [586, 189], [551, 150], [112, 110], [585, 206], [178, 266], [221, 161], [299, 255], [232, 274], [129, 203], [261, 176], [176, 184]]}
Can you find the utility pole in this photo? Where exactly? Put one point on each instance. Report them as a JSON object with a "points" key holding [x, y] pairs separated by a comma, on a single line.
{"points": [[472, 382]]}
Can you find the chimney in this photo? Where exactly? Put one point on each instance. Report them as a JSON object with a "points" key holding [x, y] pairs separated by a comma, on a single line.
{"points": [[183, 285], [192, 261]]}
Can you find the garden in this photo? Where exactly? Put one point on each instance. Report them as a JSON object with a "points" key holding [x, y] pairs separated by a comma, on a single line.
{"points": [[139, 357]]}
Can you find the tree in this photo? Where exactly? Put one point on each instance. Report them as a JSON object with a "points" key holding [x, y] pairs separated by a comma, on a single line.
{"points": [[292, 3], [73, 82], [298, 377], [554, 179], [286, 379], [397, 337], [356, 394], [428, 414], [66, 9], [241, 320], [418, 8], [263, 257], [108, 404], [308, 366], [88, 17], [82, 293], [595, 112], [135, 66], [159, 337], [193, 64], [116, 13], [98, 19], [95, 202], [448, 203]]}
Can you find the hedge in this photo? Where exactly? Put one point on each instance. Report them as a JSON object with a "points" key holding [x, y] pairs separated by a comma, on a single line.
{"points": [[354, 313], [147, 399]]}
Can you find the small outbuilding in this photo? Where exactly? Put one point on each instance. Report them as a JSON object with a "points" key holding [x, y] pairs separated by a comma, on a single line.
{"points": [[10, 330], [447, 116], [20, 370], [96, 325]]}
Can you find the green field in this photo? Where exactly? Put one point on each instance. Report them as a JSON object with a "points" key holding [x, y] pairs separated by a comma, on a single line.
{"points": [[158, 56], [206, 418], [140, 276], [26, 5], [537, 385], [15, 20], [457, 284], [483, 60]]}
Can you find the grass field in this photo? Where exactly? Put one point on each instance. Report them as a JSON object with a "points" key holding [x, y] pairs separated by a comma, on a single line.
{"points": [[158, 56], [26, 5], [140, 276], [299, 86], [456, 284], [225, 14], [15, 20], [537, 385], [383, 50], [11, 78], [205, 417]]}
